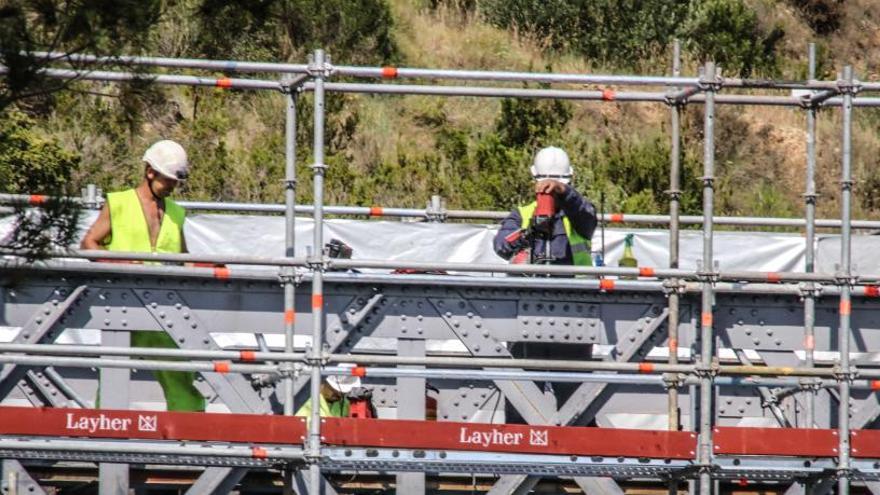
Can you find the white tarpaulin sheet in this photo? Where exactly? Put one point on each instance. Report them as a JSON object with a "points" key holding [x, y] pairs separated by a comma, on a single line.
{"points": [[472, 243]]}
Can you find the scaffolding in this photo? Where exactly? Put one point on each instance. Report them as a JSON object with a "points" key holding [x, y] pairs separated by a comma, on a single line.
{"points": [[805, 453]]}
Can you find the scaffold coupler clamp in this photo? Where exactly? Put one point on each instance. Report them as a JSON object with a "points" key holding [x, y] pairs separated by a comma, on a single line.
{"points": [[674, 286], [710, 371], [289, 275], [436, 210], [318, 261], [293, 84], [841, 278], [845, 375], [324, 70], [707, 276], [810, 289], [714, 84], [845, 87], [810, 384], [674, 380]]}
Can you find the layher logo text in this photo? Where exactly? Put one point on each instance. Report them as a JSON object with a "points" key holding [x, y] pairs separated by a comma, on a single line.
{"points": [[105, 423]]}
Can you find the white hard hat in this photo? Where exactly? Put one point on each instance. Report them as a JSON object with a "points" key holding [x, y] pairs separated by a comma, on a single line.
{"points": [[552, 163], [168, 158], [344, 383]]}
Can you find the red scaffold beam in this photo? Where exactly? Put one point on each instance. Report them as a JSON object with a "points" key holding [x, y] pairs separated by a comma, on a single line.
{"points": [[530, 439], [427, 435], [776, 441], [151, 425]]}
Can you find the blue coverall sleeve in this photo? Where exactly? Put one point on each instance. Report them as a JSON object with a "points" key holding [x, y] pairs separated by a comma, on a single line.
{"points": [[580, 212], [509, 225]]}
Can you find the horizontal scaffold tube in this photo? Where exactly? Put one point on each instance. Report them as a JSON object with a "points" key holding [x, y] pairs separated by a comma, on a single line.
{"points": [[558, 270], [47, 355], [382, 211], [440, 74], [175, 80], [467, 281]]}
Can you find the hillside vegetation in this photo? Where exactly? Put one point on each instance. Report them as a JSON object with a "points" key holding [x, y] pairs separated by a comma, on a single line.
{"points": [[397, 151]]}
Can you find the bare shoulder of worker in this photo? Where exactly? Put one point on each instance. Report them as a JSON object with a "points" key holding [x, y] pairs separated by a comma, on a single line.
{"points": [[99, 232]]}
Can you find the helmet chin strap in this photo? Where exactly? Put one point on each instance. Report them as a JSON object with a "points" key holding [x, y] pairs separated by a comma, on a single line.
{"points": [[150, 185]]}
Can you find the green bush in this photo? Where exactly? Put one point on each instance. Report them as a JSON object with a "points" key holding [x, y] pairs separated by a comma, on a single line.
{"points": [[31, 163], [610, 31], [353, 31], [628, 32], [727, 32]]}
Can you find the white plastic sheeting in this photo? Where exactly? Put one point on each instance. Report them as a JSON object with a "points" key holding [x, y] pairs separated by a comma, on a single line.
{"points": [[472, 243]]}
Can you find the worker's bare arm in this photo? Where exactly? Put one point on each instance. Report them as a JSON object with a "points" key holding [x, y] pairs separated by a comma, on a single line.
{"points": [[98, 234]]}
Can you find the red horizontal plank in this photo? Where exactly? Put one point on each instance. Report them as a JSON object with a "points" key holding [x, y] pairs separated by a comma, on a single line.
{"points": [[776, 441], [150, 425], [865, 444], [437, 435]]}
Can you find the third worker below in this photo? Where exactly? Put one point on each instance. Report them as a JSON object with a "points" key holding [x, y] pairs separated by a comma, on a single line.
{"points": [[558, 234]]}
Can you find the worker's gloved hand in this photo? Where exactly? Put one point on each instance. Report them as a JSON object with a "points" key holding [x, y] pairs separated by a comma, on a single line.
{"points": [[521, 239], [550, 186]]}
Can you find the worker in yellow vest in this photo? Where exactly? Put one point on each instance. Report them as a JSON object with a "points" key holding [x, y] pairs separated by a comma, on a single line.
{"points": [[334, 397], [145, 219], [568, 233]]}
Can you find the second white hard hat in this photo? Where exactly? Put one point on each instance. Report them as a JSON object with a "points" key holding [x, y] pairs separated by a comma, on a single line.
{"points": [[344, 383], [552, 163], [169, 159]]}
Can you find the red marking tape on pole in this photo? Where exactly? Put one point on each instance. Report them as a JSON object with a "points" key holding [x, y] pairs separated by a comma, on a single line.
{"points": [[872, 291], [773, 277], [221, 273], [375, 211], [289, 316], [809, 342], [36, 199], [845, 307], [224, 82], [616, 218], [707, 319], [259, 453], [646, 271], [875, 384], [317, 301], [247, 356], [221, 366], [673, 346], [646, 368], [389, 72], [606, 284], [608, 94], [359, 371]]}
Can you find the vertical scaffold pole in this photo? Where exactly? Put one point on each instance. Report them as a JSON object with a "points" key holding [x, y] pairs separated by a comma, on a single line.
{"points": [[290, 240], [672, 287], [674, 197], [317, 263], [706, 337], [845, 285], [810, 254], [289, 251]]}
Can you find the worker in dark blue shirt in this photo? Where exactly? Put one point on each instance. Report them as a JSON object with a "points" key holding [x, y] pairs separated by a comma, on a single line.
{"points": [[570, 229]]}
